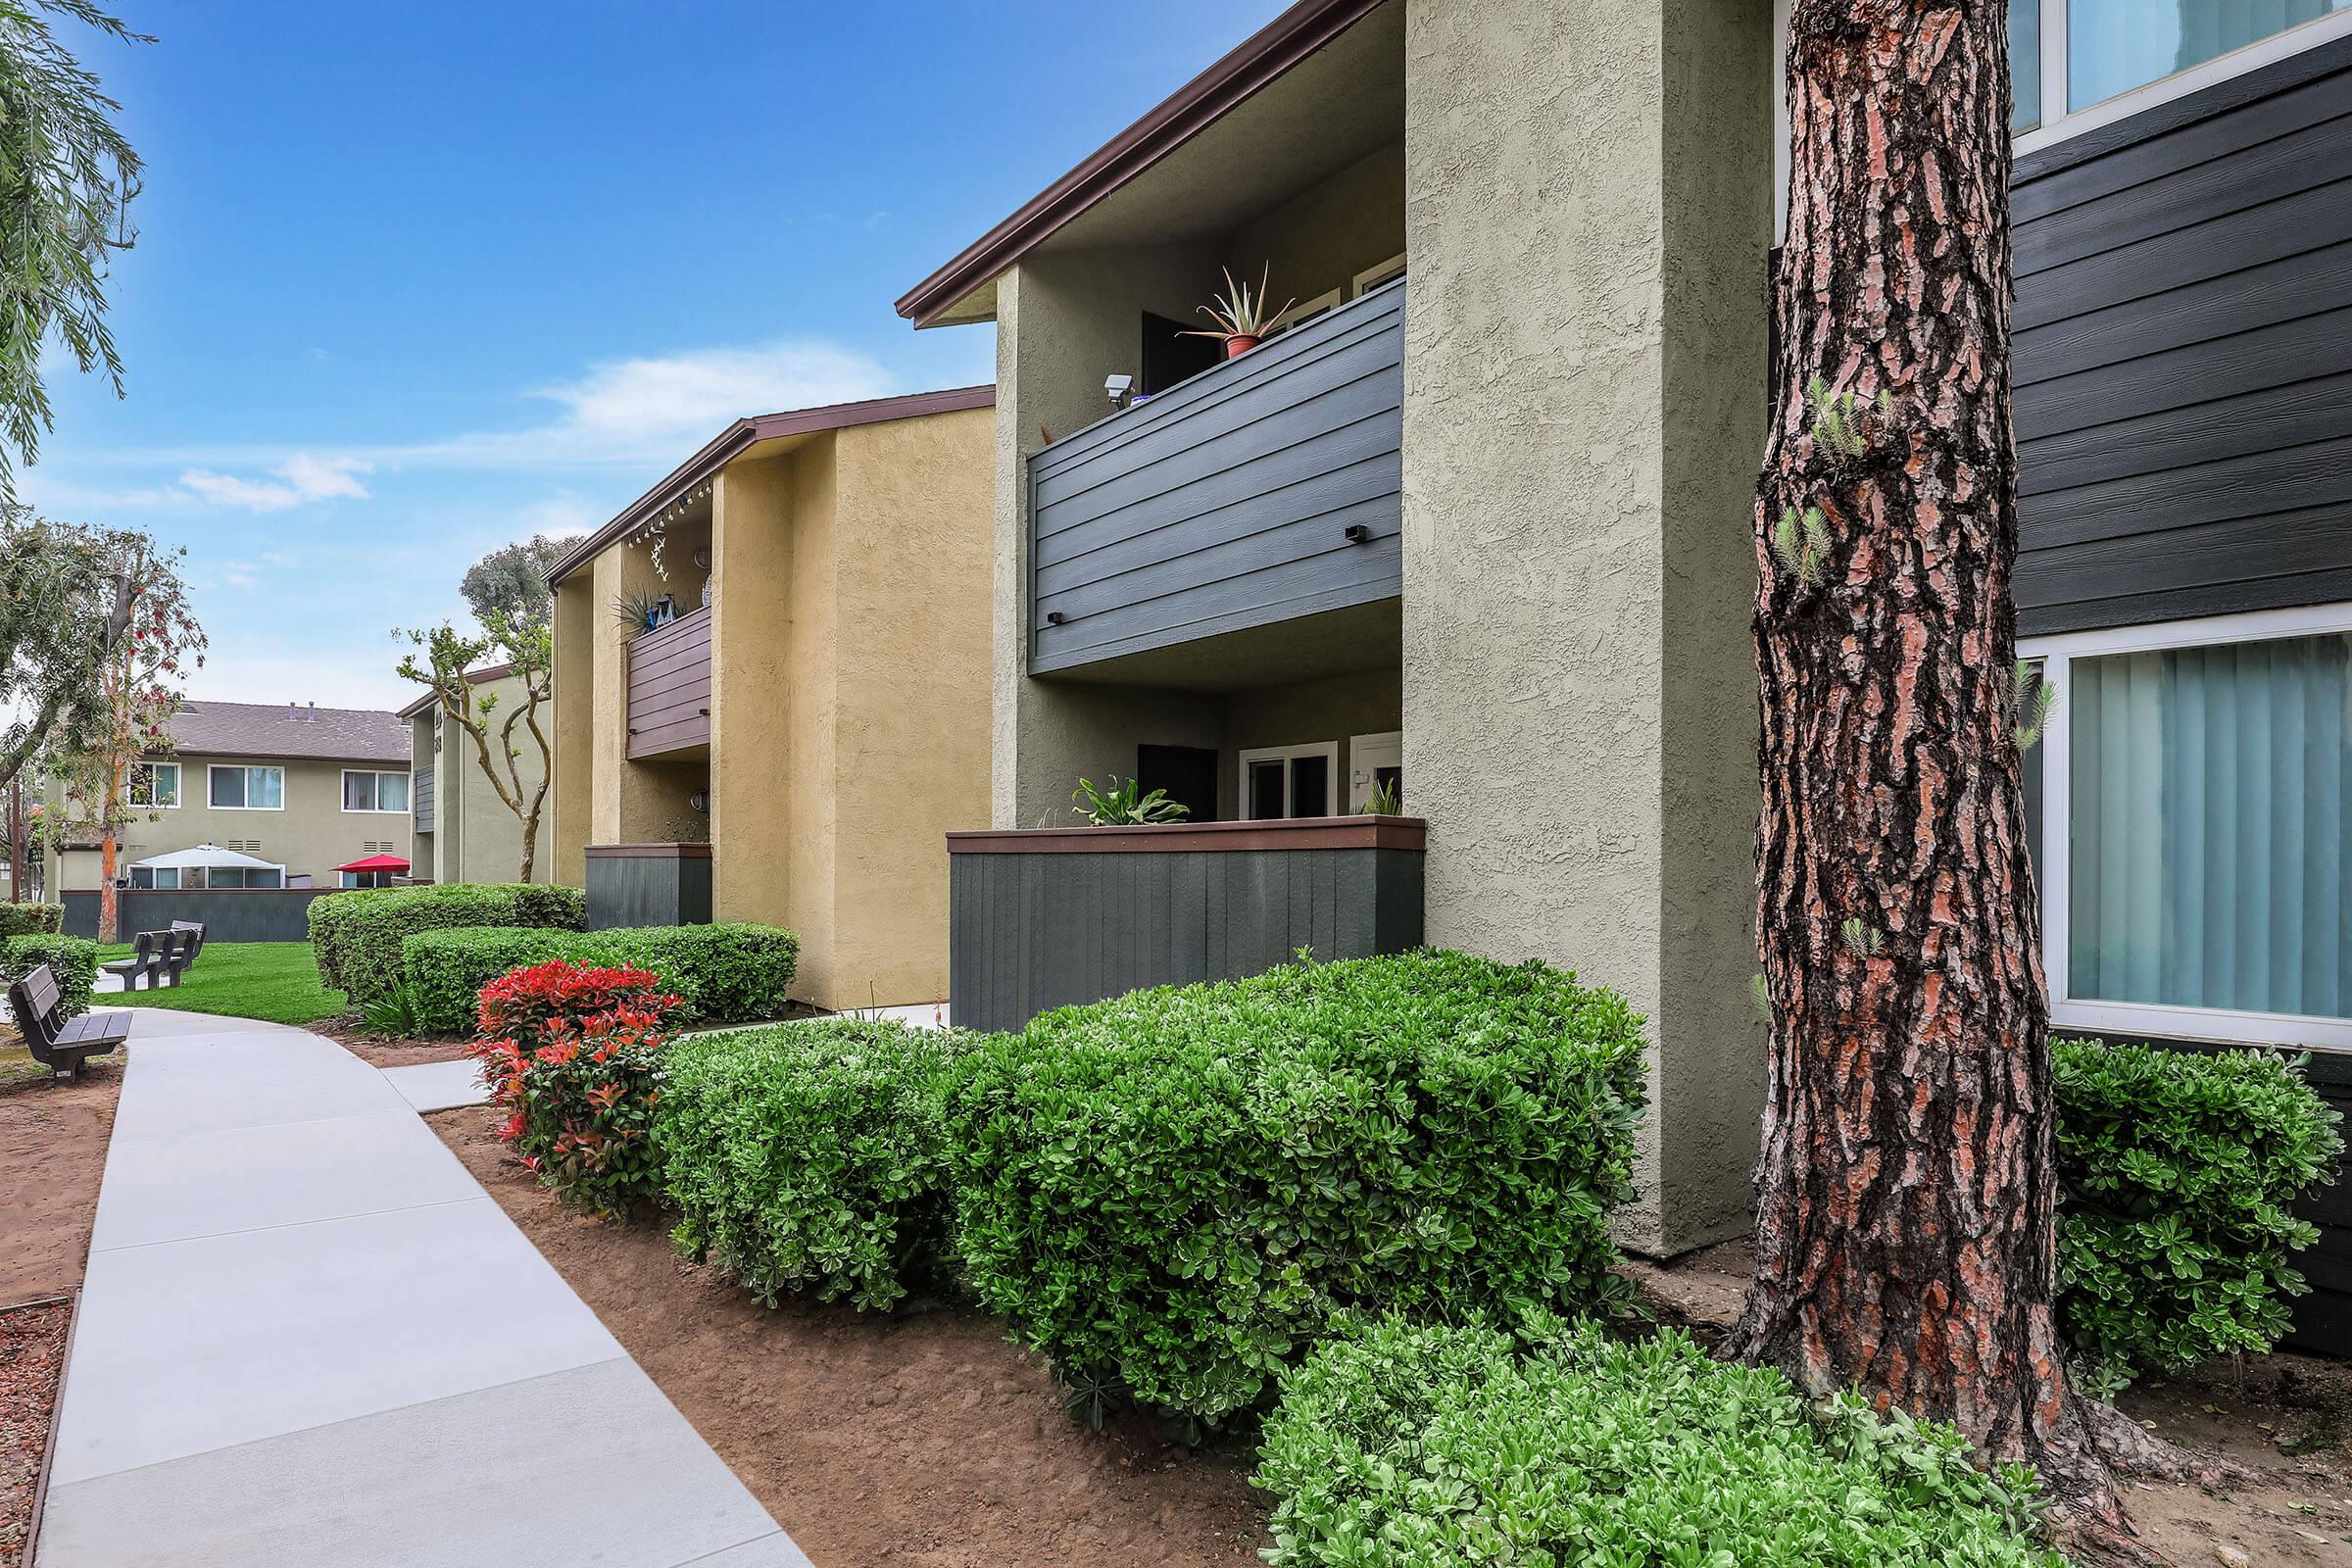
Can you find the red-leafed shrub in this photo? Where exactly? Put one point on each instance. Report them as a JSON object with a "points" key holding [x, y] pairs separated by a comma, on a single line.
{"points": [[573, 1061]]}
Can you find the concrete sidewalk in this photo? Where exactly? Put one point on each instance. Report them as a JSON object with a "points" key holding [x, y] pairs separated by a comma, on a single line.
{"points": [[307, 1335]]}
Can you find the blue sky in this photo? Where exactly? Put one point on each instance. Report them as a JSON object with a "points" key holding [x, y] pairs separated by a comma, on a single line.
{"points": [[413, 280]]}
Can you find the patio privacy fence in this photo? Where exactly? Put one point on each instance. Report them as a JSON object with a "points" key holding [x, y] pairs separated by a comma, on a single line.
{"points": [[228, 914]]}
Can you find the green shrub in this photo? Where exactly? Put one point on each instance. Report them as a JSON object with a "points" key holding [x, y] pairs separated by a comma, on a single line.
{"points": [[1409, 1446], [581, 1106], [2180, 1171], [1171, 1193], [356, 935], [31, 919], [811, 1157], [73, 961], [724, 973]]}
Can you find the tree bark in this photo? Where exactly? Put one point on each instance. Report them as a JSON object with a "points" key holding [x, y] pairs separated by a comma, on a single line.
{"points": [[1906, 1192]]}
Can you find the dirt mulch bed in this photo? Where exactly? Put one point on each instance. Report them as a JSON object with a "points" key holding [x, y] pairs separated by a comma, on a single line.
{"points": [[2287, 1418], [53, 1140], [382, 1051], [32, 1361], [920, 1438]]}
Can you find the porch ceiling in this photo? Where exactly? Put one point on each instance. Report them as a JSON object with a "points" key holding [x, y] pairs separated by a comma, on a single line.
{"points": [[1336, 641]]}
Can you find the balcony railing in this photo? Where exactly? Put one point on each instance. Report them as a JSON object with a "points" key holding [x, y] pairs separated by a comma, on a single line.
{"points": [[1258, 491], [669, 686], [423, 803]]}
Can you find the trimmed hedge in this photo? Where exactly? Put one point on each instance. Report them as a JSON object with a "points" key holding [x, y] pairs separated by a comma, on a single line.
{"points": [[811, 1157], [732, 973], [1171, 1193], [2179, 1174], [73, 960], [356, 935], [31, 919], [1440, 1448]]}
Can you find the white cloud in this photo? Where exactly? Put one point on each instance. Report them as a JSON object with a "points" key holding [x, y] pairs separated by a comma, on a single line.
{"points": [[653, 409], [300, 480]]}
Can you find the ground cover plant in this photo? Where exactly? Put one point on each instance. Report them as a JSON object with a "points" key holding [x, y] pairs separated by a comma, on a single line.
{"points": [[1446, 1447], [2180, 1172], [73, 960], [813, 1156], [725, 973], [357, 935], [275, 982], [574, 1059], [1171, 1193]]}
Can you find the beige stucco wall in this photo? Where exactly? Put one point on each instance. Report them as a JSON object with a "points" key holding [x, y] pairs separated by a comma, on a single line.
{"points": [[1583, 419], [476, 837], [1323, 237], [1064, 323], [310, 837], [573, 736]]}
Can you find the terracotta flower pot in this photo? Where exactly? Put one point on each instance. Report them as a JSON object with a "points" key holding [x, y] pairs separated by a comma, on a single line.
{"points": [[1239, 344]]}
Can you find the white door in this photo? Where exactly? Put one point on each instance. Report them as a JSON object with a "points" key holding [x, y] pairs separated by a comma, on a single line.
{"points": [[1374, 762]]}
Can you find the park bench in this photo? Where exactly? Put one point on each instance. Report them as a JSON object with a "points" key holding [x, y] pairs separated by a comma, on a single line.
{"points": [[157, 956], [58, 1044], [191, 935]]}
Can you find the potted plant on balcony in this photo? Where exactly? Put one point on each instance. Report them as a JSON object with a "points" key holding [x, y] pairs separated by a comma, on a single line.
{"points": [[1242, 316]]}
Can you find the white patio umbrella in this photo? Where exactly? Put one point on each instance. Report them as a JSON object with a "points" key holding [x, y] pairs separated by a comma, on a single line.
{"points": [[207, 856]]}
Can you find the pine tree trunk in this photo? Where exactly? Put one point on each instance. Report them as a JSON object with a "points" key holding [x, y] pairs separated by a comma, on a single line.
{"points": [[1906, 1191]]}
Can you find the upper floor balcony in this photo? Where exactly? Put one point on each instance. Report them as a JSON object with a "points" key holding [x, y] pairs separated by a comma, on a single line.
{"points": [[1264, 489], [669, 687]]}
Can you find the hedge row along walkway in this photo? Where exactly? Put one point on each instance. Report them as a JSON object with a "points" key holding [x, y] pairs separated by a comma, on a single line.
{"points": [[307, 1335]]}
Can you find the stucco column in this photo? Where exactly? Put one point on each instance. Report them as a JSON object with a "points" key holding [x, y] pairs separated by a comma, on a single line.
{"points": [[1064, 324], [573, 735], [1587, 212]]}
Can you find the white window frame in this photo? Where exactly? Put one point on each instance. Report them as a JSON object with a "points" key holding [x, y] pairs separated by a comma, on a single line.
{"points": [[1380, 742], [1305, 311], [1371, 277], [210, 769], [2056, 655], [1329, 751], [179, 779], [343, 792], [2058, 123]]}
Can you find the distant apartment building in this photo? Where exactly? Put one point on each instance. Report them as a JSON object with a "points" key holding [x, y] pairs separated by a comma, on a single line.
{"points": [[463, 832], [299, 789]]}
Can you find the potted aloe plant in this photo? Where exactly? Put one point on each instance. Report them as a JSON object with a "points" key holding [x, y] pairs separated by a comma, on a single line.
{"points": [[1242, 316]]}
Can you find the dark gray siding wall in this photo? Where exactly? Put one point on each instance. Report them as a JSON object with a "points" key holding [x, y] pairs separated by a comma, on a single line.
{"points": [[2183, 355], [227, 914], [422, 802], [1225, 502], [1032, 932]]}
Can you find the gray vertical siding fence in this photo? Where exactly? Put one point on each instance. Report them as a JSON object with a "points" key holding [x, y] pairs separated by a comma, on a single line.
{"points": [[422, 800], [648, 884], [1044, 918], [1266, 488], [228, 914]]}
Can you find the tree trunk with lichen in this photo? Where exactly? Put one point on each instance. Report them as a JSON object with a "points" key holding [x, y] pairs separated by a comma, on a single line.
{"points": [[1908, 1188]]}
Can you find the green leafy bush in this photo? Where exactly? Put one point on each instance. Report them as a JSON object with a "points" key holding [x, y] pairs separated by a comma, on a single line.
{"points": [[356, 935], [1171, 1193], [73, 961], [31, 919], [811, 1157], [1405, 1446], [733, 973], [2180, 1171]]}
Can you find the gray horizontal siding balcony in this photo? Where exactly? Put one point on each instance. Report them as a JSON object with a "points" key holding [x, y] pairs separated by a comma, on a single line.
{"points": [[423, 803], [1259, 491]]}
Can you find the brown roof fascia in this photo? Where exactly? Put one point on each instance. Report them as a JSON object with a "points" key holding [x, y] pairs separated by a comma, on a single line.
{"points": [[732, 442], [1260, 59]]}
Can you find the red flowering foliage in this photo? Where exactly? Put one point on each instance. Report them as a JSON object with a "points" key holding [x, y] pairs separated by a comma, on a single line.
{"points": [[572, 1057]]}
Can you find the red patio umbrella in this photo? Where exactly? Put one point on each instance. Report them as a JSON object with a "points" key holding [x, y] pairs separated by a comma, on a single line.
{"points": [[376, 862]]}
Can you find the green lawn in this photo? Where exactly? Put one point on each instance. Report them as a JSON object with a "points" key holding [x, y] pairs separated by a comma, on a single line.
{"points": [[277, 982]]}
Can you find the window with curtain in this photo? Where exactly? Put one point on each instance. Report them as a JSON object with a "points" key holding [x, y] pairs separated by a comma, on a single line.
{"points": [[375, 791], [248, 789], [2210, 801], [2113, 46]]}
